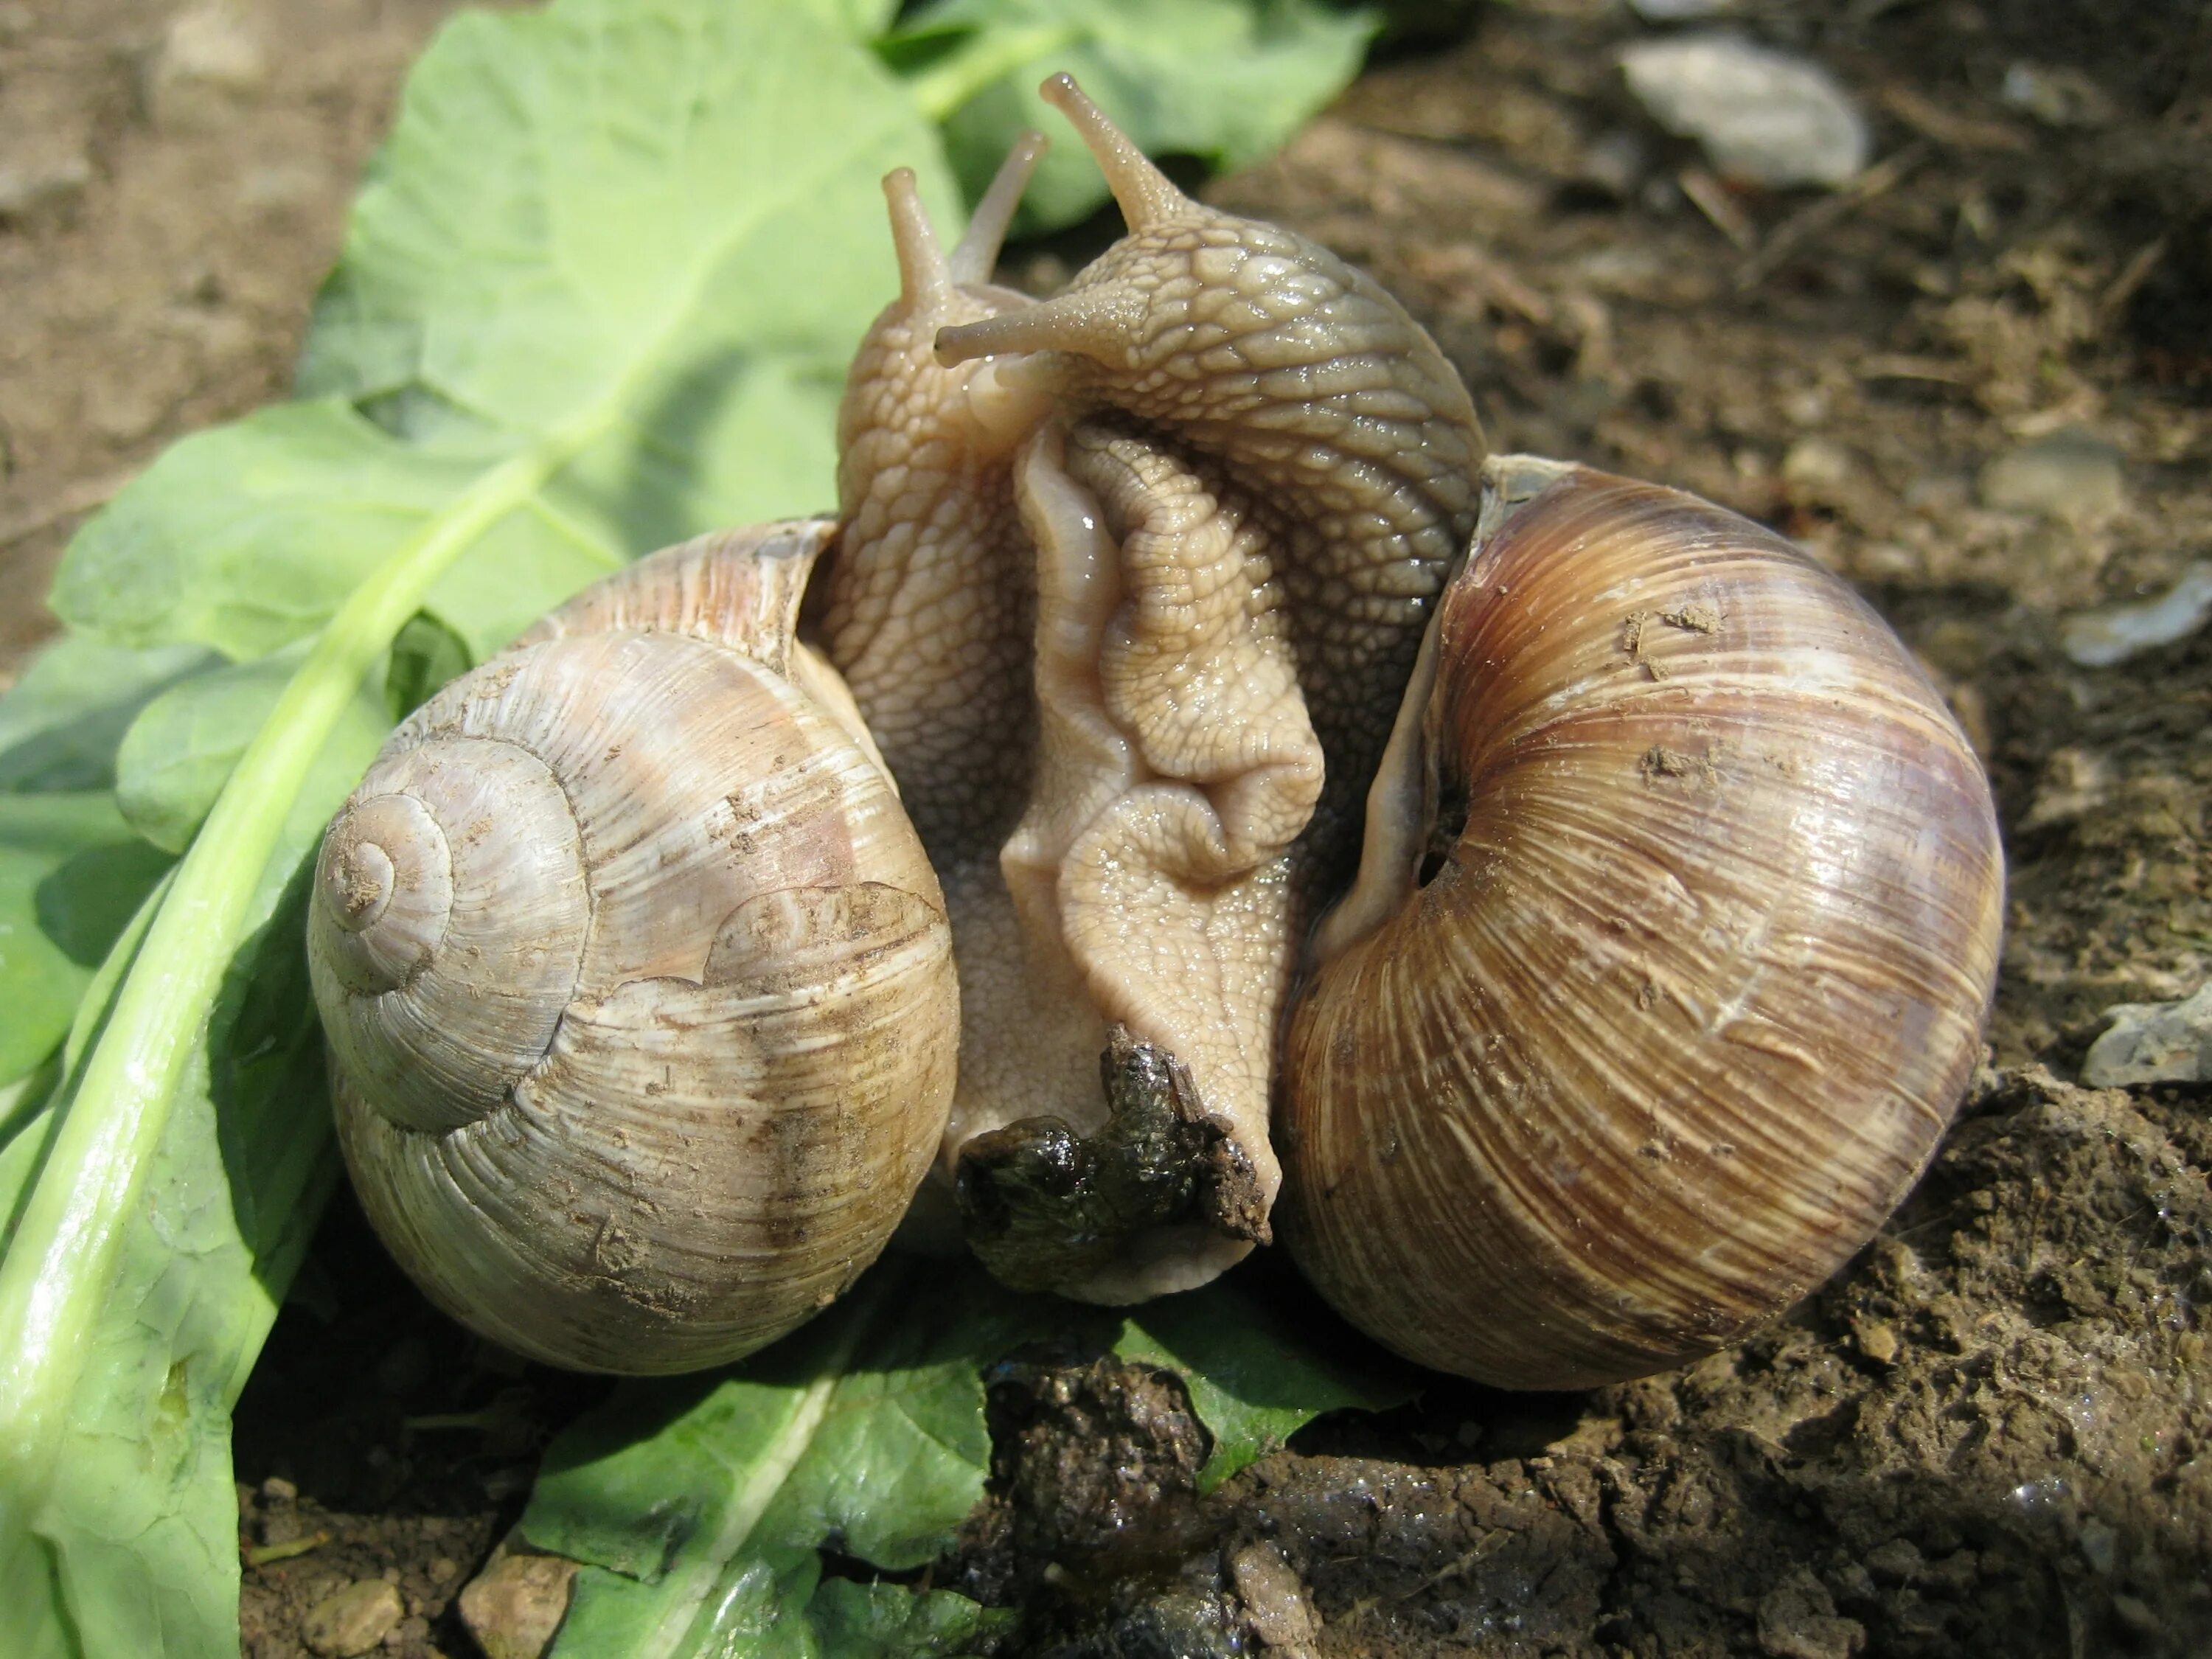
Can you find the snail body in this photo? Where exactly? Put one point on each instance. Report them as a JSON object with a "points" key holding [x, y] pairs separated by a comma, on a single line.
{"points": [[1589, 953], [637, 986]]}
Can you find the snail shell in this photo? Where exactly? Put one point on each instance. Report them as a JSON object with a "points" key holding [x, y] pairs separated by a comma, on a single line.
{"points": [[1613, 1071], [638, 987]]}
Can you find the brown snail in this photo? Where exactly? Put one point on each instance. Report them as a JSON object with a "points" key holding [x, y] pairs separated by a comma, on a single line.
{"points": [[1676, 896], [637, 987]]}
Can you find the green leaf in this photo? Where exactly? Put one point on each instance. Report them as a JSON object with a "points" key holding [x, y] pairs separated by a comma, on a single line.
{"points": [[427, 655], [886, 1621], [185, 744], [1226, 80], [136, 1553], [672, 211], [575, 268], [71, 874], [61, 722], [697, 1505], [858, 18], [1253, 1378], [249, 537]]}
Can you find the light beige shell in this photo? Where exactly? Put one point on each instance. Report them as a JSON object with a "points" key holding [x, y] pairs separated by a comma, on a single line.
{"points": [[1615, 1071], [638, 987]]}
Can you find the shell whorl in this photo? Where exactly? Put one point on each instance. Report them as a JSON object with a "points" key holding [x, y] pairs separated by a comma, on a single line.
{"points": [[1670, 1025], [638, 987], [449, 917]]}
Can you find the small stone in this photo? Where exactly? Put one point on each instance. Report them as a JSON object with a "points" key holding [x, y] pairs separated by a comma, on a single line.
{"points": [[1614, 164], [43, 179], [278, 1490], [1762, 116], [2100, 1546], [2136, 1614], [2154, 1043], [2075, 782], [1817, 464], [2056, 94], [1798, 1620], [515, 1605], [352, 1621], [2100, 638], [1895, 1561], [2071, 475], [1876, 1341], [1274, 1601], [211, 59], [281, 187]]}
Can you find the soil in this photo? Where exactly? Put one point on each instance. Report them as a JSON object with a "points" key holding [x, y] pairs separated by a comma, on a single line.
{"points": [[1993, 1435]]}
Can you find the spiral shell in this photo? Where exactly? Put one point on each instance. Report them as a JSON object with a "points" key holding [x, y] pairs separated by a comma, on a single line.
{"points": [[638, 987], [1614, 1072]]}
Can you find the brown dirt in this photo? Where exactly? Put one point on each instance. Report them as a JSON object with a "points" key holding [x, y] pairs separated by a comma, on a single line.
{"points": [[1993, 1435]]}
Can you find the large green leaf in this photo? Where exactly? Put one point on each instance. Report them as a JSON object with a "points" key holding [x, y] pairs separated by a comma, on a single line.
{"points": [[570, 297], [181, 749], [71, 874], [697, 1505], [1227, 80], [137, 1543], [60, 722], [673, 216]]}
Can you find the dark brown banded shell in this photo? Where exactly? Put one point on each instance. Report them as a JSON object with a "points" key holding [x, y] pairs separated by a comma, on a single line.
{"points": [[1685, 1009]]}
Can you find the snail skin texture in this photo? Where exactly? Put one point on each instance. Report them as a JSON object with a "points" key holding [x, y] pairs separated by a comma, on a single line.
{"points": [[1666, 892], [1129, 584], [637, 985]]}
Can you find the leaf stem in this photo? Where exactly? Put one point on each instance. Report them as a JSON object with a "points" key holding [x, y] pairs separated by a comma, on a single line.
{"points": [[62, 1259], [951, 81]]}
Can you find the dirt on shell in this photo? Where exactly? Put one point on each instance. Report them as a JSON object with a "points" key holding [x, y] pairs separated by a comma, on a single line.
{"points": [[1978, 383]]}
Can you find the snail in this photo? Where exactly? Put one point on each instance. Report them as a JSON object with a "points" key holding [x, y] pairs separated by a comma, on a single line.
{"points": [[637, 987], [1669, 958], [1587, 948]]}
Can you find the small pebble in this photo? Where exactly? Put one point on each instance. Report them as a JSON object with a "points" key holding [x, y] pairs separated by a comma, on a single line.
{"points": [[278, 1490], [1763, 116], [1818, 464], [2057, 95], [1273, 1599], [1613, 164], [2071, 475], [2099, 639], [352, 1621], [2100, 1546], [515, 1605], [1798, 1620], [1876, 1341], [2154, 1043], [211, 58], [43, 179]]}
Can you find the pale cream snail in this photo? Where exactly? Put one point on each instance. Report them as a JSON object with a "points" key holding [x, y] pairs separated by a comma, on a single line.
{"points": [[638, 988], [1678, 899]]}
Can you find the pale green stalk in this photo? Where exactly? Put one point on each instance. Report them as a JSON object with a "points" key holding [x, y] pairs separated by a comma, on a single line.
{"points": [[62, 1261], [956, 78]]}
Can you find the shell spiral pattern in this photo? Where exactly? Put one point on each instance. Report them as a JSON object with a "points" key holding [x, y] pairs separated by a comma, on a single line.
{"points": [[630, 964]]}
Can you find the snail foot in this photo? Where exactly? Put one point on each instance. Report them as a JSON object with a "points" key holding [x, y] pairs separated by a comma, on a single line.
{"points": [[1045, 1208]]}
